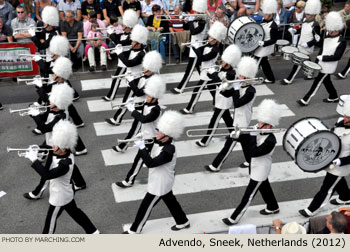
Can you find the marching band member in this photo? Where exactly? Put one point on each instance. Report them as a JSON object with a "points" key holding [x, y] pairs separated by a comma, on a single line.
{"points": [[130, 20], [335, 178], [61, 70], [161, 164], [60, 98], [58, 170], [259, 149], [267, 46], [148, 118], [198, 32], [243, 98], [332, 50], [208, 55], [223, 97], [345, 72], [309, 36], [151, 64]]}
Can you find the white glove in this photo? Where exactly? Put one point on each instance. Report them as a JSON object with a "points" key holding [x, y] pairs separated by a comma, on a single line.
{"points": [[31, 155], [292, 30], [236, 85], [140, 144], [123, 37], [319, 57], [190, 18], [138, 136], [33, 112], [253, 133], [110, 30], [261, 43], [37, 58], [211, 70], [304, 45], [31, 31], [118, 49], [224, 85], [317, 37], [129, 78], [38, 82], [196, 44], [222, 75], [130, 107], [235, 134], [336, 162]]}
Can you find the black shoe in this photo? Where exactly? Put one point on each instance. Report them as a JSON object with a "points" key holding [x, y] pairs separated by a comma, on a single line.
{"points": [[211, 168], [179, 227], [118, 149], [244, 165], [124, 184], [80, 153], [1, 107], [338, 202], [327, 100], [266, 81], [31, 196], [228, 222], [106, 98], [340, 76], [37, 132], [308, 78], [111, 121], [201, 144], [268, 212], [304, 213], [175, 91], [126, 232], [301, 103], [91, 69], [285, 82], [104, 68], [80, 125], [76, 98], [78, 188]]}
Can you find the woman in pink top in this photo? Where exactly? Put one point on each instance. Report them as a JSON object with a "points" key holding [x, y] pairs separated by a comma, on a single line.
{"points": [[212, 5]]}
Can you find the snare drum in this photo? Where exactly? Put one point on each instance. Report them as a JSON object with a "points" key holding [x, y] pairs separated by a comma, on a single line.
{"points": [[311, 69], [245, 33], [311, 144], [342, 100], [298, 58], [281, 43], [288, 52]]}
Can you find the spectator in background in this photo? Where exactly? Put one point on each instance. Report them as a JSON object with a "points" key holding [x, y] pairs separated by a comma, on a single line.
{"points": [[29, 7], [281, 16], [212, 6], [39, 6], [116, 24], [297, 15], [156, 24], [134, 5], [6, 12], [176, 26], [90, 5], [321, 20], [230, 7], [169, 6], [111, 7], [73, 30], [22, 21], [5, 32], [73, 5], [346, 212], [250, 6], [345, 13], [187, 7], [219, 15], [146, 8], [336, 224], [288, 228], [92, 19], [289, 3]]}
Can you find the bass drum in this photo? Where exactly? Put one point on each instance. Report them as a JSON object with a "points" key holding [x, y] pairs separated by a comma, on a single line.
{"points": [[245, 33], [311, 144], [340, 106]]}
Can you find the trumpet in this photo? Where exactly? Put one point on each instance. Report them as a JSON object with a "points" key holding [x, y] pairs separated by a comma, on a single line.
{"points": [[130, 142], [204, 42], [22, 152], [36, 29], [216, 67], [123, 105], [139, 74], [125, 48], [253, 81], [30, 81], [33, 55], [25, 112], [236, 129]]}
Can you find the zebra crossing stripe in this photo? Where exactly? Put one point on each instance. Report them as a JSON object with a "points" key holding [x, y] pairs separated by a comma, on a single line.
{"points": [[186, 148], [210, 222], [200, 118], [2, 193], [208, 181], [94, 84], [167, 99]]}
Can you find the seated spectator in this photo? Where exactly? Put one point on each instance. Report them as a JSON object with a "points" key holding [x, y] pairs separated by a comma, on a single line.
{"points": [[220, 16], [73, 30], [92, 19], [281, 16], [92, 44], [346, 212], [117, 28], [230, 6], [29, 7], [6, 12], [345, 13], [111, 7], [250, 7], [146, 8], [73, 5], [289, 4], [297, 15], [22, 21], [5, 32], [169, 6], [156, 25], [134, 5], [90, 5], [289, 228], [321, 20], [212, 6], [39, 6], [336, 224], [176, 26]]}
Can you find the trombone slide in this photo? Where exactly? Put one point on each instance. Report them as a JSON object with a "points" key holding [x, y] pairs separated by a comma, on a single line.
{"points": [[236, 130]]}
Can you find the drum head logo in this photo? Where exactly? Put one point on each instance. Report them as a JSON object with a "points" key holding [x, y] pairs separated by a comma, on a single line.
{"points": [[317, 151]]}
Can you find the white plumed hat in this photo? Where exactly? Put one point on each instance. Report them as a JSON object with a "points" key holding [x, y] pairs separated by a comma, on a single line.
{"points": [[155, 86], [218, 31], [247, 67], [313, 7], [59, 45], [64, 135], [171, 124], [269, 6], [61, 96], [152, 61], [200, 6], [346, 108], [269, 112], [334, 22], [50, 16], [62, 68], [139, 34], [130, 18], [232, 55]]}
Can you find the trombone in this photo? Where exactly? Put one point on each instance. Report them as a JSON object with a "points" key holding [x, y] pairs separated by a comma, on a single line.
{"points": [[22, 152], [216, 67], [130, 142], [125, 48], [25, 112], [253, 81], [140, 74], [204, 42], [33, 55], [236, 129], [30, 81], [182, 17], [123, 105]]}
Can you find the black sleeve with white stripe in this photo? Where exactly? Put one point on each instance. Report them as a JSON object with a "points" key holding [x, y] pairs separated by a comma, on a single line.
{"points": [[165, 156], [47, 174], [246, 98], [150, 117], [132, 62], [338, 52], [265, 148]]}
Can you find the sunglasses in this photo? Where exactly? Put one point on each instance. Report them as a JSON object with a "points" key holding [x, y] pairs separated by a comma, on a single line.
{"points": [[20, 12], [69, 16]]}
